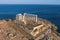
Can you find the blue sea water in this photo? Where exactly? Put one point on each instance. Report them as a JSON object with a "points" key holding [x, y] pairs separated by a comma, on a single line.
{"points": [[49, 12]]}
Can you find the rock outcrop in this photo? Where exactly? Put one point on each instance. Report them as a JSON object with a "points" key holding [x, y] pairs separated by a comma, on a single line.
{"points": [[10, 30]]}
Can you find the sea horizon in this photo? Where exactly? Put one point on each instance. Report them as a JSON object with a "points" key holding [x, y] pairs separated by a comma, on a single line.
{"points": [[49, 12]]}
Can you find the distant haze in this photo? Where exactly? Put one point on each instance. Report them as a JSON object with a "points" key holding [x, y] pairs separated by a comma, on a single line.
{"points": [[29, 1]]}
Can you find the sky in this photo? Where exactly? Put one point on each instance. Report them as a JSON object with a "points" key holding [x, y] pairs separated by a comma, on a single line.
{"points": [[29, 1]]}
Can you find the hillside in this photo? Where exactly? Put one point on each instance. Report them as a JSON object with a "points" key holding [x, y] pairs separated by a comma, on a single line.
{"points": [[9, 30]]}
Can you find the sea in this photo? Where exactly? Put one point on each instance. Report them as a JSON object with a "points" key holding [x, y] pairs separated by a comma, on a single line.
{"points": [[49, 12]]}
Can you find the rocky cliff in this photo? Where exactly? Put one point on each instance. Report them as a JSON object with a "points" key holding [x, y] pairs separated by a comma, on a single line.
{"points": [[10, 30]]}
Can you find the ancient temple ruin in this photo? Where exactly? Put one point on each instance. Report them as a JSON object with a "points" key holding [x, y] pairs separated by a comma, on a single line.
{"points": [[26, 17], [33, 27]]}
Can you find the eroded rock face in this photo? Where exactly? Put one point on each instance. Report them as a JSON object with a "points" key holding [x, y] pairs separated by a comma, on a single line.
{"points": [[9, 31], [12, 31]]}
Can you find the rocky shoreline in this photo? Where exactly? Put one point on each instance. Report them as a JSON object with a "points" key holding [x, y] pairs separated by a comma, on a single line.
{"points": [[10, 30]]}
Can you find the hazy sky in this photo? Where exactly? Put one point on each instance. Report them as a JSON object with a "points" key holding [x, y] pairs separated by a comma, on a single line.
{"points": [[29, 1]]}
